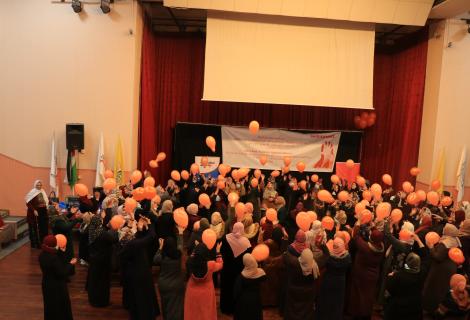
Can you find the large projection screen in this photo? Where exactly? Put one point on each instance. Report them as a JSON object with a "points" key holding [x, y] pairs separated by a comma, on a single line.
{"points": [[288, 60]]}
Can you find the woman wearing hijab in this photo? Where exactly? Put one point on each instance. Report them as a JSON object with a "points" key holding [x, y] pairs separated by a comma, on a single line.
{"points": [[424, 227], [404, 288], [316, 238], [302, 270], [333, 285], [100, 248], [250, 229], [234, 245], [38, 222], [199, 299], [456, 305], [165, 223], [275, 271], [140, 296], [54, 281], [464, 237], [442, 268], [196, 235], [246, 293], [365, 273], [217, 225], [192, 211], [171, 279]]}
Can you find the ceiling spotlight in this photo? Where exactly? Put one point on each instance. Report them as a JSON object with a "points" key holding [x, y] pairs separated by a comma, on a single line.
{"points": [[77, 6], [105, 6]]}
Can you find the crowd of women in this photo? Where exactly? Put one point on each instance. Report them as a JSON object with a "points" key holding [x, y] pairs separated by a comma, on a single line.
{"points": [[364, 251]]}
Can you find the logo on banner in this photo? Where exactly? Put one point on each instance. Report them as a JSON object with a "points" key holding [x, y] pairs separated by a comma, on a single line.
{"points": [[211, 167]]}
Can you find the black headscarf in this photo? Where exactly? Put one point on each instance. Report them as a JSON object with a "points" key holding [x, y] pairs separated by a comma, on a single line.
{"points": [[197, 263], [170, 249], [277, 236]]}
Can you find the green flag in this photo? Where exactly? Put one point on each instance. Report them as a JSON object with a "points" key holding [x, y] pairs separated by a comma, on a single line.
{"points": [[71, 168]]}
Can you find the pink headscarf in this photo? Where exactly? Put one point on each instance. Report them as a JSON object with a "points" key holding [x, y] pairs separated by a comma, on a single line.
{"points": [[299, 244], [237, 241], [339, 247]]}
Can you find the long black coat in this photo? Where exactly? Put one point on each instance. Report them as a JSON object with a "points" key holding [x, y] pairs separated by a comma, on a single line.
{"points": [[247, 298], [138, 289], [404, 301], [54, 287], [99, 270]]}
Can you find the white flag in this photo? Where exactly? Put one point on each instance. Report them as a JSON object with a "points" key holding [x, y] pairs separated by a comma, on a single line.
{"points": [[53, 171], [461, 171], [99, 178]]}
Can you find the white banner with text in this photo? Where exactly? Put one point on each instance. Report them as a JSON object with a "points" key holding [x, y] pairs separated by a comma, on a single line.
{"points": [[242, 149]]}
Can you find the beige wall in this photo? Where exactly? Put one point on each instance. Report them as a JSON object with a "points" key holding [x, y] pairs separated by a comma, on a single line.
{"points": [[447, 101], [57, 67]]}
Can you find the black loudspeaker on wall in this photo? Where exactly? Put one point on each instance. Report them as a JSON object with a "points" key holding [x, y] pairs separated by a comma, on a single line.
{"points": [[75, 136]]}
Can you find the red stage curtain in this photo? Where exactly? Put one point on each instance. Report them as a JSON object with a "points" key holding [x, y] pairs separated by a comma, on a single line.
{"points": [[171, 91]]}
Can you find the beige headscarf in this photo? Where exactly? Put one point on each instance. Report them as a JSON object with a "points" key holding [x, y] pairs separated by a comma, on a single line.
{"points": [[450, 236], [251, 270], [308, 264], [217, 224]]}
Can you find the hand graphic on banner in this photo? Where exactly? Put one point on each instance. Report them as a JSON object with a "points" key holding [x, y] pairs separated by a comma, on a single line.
{"points": [[327, 157]]}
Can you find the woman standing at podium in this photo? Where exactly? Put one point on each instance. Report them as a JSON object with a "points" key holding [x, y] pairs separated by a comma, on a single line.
{"points": [[38, 221]]}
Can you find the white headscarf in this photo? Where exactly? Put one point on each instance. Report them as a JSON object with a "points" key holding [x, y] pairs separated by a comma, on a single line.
{"points": [[308, 264], [34, 192], [251, 270]]}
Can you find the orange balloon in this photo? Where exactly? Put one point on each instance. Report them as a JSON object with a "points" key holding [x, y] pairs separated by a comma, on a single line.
{"points": [[365, 202], [433, 198], [365, 216], [240, 210], [221, 184], [109, 184], [209, 238], [446, 201], [343, 196], [175, 175], [253, 127], [367, 195], [376, 190], [432, 238], [334, 179], [364, 115], [435, 185], [150, 192], [359, 208], [357, 121], [108, 174], [185, 175], [210, 142], [300, 166], [81, 189], [235, 174], [149, 182], [138, 194], [349, 164], [303, 185], [257, 173], [421, 195], [271, 214], [343, 235], [412, 199], [383, 210], [243, 172], [157, 199], [61, 241], [233, 198], [314, 178], [312, 215], [136, 176], [407, 187], [153, 164], [204, 161], [181, 218], [263, 160], [325, 196], [328, 223], [370, 120], [387, 179], [260, 252], [396, 215], [303, 221], [287, 161], [204, 200], [194, 169], [405, 235], [361, 182], [254, 183], [222, 169], [275, 174], [129, 205], [415, 171], [456, 255], [161, 156], [116, 222]]}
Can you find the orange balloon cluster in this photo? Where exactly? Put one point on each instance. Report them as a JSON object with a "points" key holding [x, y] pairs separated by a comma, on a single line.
{"points": [[365, 120], [260, 252]]}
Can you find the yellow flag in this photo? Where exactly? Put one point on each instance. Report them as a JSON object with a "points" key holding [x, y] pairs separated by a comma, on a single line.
{"points": [[440, 171], [119, 164]]}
